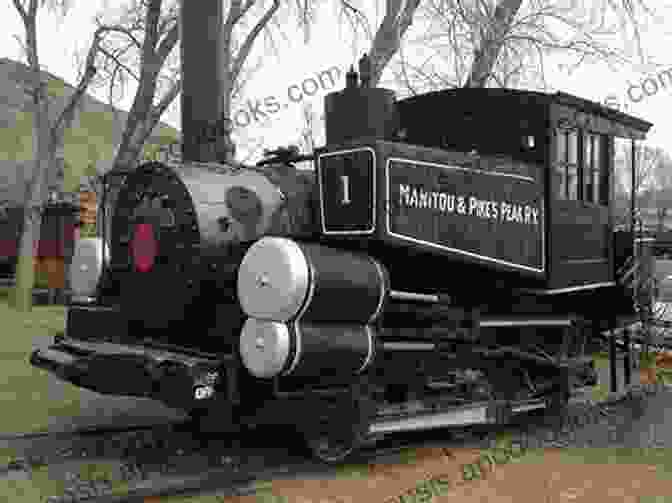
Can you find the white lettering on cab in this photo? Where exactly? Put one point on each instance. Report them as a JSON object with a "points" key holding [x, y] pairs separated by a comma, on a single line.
{"points": [[501, 211]]}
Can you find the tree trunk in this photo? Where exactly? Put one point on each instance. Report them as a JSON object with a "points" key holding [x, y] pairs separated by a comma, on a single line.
{"points": [[492, 41], [398, 18], [125, 161], [32, 216]]}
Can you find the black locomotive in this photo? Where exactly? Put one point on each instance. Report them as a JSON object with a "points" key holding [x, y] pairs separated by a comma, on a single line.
{"points": [[444, 263]]}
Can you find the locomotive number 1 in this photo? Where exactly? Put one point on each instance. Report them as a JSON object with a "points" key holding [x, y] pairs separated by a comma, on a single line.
{"points": [[345, 181]]}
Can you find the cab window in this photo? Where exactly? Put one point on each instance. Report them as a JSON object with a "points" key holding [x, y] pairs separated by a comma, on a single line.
{"points": [[567, 164], [594, 187]]}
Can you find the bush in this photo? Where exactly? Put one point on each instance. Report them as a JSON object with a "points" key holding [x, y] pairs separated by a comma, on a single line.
{"points": [[647, 360], [87, 231]]}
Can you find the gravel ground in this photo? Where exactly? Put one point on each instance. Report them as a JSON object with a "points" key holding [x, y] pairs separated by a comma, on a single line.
{"points": [[633, 425]]}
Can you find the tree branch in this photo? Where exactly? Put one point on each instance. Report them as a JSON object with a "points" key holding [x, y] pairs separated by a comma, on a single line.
{"points": [[251, 37], [148, 56], [390, 32], [166, 100], [236, 12], [66, 116], [32, 10], [492, 39], [119, 64], [125, 31], [167, 44], [21, 10]]}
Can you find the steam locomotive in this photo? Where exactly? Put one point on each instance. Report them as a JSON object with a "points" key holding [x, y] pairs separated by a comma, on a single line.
{"points": [[444, 262]]}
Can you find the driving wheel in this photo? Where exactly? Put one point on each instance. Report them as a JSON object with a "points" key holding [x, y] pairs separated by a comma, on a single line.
{"points": [[339, 432], [332, 447]]}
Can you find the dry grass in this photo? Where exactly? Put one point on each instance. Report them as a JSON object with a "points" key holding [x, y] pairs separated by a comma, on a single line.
{"points": [[30, 397]]}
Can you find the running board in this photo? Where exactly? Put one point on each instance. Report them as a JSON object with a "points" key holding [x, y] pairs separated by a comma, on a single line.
{"points": [[462, 415]]}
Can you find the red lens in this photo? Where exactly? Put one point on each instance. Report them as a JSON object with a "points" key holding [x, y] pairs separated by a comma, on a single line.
{"points": [[144, 247]]}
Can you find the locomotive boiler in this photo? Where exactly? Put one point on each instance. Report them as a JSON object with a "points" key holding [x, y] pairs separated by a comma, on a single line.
{"points": [[442, 262]]}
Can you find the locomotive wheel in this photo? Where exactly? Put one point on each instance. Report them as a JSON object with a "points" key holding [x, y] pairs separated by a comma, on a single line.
{"points": [[332, 447], [340, 431]]}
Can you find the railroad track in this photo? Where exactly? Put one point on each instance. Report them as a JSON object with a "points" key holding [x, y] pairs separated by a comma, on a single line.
{"points": [[43, 448], [152, 465]]}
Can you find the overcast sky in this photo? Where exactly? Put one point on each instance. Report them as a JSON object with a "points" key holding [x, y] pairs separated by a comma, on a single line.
{"points": [[296, 61]]}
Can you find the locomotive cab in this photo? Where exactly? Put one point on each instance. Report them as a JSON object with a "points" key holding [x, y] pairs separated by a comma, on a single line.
{"points": [[569, 142]]}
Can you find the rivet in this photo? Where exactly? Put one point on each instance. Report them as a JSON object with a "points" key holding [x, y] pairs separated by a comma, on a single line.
{"points": [[262, 280]]}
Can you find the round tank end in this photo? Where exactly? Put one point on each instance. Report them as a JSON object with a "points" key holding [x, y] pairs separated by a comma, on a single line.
{"points": [[264, 347], [273, 279]]}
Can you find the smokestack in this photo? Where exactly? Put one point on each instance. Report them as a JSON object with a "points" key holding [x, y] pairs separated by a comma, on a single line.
{"points": [[358, 113], [201, 24]]}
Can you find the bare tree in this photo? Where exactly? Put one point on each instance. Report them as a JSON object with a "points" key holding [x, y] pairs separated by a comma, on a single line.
{"points": [[151, 32], [397, 19], [399, 15], [151, 29], [148, 33], [648, 162], [662, 188], [142, 52], [309, 132], [492, 39], [663, 171], [505, 43], [49, 136]]}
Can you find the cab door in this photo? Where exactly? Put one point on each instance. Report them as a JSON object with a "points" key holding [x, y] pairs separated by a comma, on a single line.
{"points": [[580, 214]]}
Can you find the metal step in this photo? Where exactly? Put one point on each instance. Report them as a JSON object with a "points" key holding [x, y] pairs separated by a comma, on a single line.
{"points": [[461, 415], [457, 416]]}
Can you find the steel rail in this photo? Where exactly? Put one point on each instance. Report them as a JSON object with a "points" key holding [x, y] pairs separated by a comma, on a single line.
{"points": [[92, 431]]}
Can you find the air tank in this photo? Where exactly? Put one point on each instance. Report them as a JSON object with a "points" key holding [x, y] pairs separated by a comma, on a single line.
{"points": [[305, 349], [281, 279]]}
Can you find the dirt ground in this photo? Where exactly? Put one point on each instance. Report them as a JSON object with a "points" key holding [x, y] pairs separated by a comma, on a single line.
{"points": [[547, 477]]}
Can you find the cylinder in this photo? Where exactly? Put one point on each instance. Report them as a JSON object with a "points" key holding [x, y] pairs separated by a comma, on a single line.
{"points": [[280, 279], [271, 348]]}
